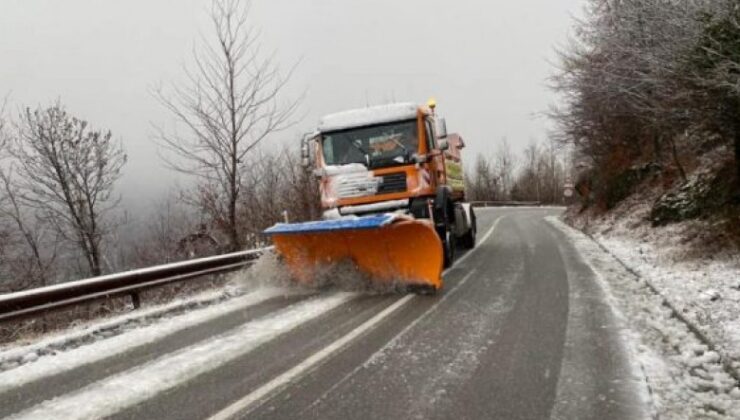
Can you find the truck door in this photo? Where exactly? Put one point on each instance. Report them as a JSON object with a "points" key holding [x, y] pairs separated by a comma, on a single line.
{"points": [[437, 163]]}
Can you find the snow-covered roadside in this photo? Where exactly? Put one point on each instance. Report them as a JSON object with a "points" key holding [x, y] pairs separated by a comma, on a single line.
{"points": [[686, 378], [166, 372], [704, 290], [52, 363], [14, 354], [266, 277]]}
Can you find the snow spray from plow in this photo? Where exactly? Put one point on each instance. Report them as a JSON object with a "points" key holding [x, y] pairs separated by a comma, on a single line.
{"points": [[387, 247]]}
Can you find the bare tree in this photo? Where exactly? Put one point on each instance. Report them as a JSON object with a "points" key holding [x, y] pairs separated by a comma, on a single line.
{"points": [[527, 185], [67, 172], [482, 184], [716, 76], [541, 175], [649, 81], [492, 177], [36, 248], [228, 105], [28, 249], [303, 188], [505, 164], [172, 232], [275, 182]]}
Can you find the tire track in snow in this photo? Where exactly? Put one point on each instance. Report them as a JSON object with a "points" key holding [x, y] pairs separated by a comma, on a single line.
{"points": [[138, 384]]}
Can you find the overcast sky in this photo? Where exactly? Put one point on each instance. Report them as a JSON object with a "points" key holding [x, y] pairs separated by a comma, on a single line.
{"points": [[486, 62]]}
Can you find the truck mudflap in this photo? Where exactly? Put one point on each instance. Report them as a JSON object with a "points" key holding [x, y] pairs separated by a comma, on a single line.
{"points": [[389, 248]]}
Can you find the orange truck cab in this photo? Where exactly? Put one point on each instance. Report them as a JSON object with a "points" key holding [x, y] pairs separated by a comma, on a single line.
{"points": [[395, 158]]}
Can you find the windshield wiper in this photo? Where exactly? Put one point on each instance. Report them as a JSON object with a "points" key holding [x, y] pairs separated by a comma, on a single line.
{"points": [[405, 150], [363, 151]]}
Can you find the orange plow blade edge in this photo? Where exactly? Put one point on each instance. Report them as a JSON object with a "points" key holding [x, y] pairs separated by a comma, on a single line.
{"points": [[389, 248]]}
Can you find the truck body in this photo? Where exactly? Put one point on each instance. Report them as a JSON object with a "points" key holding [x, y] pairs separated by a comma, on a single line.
{"points": [[395, 160]]}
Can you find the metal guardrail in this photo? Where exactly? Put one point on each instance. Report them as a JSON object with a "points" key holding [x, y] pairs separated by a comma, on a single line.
{"points": [[504, 203], [33, 301]]}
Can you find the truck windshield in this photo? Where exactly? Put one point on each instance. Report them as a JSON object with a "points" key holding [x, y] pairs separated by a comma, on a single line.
{"points": [[377, 146]]}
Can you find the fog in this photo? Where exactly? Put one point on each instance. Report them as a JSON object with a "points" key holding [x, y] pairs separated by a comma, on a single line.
{"points": [[486, 63]]}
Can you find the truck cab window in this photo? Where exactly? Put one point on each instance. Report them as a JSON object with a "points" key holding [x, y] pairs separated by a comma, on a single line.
{"points": [[378, 146], [431, 134]]}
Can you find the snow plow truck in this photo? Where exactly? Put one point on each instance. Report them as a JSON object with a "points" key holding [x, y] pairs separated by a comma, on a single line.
{"points": [[392, 196]]}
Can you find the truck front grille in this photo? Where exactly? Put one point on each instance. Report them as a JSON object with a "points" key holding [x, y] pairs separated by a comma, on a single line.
{"points": [[392, 183]]}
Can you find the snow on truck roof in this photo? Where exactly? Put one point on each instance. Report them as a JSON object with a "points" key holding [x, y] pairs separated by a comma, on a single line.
{"points": [[368, 116]]}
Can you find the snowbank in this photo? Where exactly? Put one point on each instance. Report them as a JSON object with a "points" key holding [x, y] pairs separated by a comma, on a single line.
{"points": [[166, 372], [704, 287], [686, 377], [67, 358]]}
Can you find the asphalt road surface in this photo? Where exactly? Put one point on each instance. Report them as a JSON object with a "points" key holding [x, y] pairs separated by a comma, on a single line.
{"points": [[520, 331]]}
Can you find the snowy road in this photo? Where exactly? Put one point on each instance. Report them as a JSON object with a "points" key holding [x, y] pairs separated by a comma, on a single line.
{"points": [[521, 331]]}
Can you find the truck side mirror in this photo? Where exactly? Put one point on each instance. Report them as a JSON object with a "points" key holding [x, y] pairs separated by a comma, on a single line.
{"points": [[443, 145], [417, 158], [305, 150], [318, 172], [441, 128]]}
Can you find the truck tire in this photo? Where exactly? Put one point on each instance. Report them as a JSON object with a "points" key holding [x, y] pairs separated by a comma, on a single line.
{"points": [[468, 239], [419, 208], [443, 216], [448, 247], [423, 290]]}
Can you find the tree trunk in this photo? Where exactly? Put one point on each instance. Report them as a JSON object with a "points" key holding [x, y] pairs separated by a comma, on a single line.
{"points": [[676, 161], [233, 231], [736, 192], [95, 269], [657, 149], [737, 156], [733, 119], [91, 252]]}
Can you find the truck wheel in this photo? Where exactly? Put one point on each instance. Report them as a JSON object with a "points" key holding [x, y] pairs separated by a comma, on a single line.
{"points": [[448, 246], [423, 289], [419, 208], [443, 216], [468, 239]]}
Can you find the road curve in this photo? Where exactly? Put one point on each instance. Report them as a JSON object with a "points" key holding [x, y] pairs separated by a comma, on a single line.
{"points": [[521, 331]]}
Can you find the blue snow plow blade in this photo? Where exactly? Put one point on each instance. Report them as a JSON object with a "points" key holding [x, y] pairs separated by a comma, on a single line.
{"points": [[366, 222]]}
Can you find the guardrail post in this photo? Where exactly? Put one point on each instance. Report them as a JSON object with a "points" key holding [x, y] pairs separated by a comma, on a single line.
{"points": [[136, 300]]}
